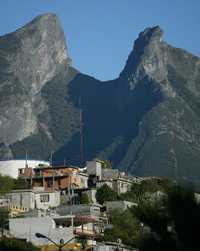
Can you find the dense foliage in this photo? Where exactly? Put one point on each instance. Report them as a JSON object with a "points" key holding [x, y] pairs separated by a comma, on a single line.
{"points": [[4, 214], [172, 223], [168, 221], [105, 193], [124, 227], [8, 244], [21, 184], [145, 188], [7, 184]]}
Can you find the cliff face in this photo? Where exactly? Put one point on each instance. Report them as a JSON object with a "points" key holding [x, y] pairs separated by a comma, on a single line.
{"points": [[29, 58], [167, 143], [146, 121]]}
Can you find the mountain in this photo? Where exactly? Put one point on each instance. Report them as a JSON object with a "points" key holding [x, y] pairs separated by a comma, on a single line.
{"points": [[147, 121]]}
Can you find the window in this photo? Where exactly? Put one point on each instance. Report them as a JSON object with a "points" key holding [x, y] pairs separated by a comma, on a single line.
{"points": [[49, 183], [44, 198]]}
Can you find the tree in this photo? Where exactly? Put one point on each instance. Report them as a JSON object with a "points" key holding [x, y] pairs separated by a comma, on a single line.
{"points": [[105, 193], [145, 187], [6, 184], [84, 199], [174, 224], [4, 215], [21, 184], [125, 227]]}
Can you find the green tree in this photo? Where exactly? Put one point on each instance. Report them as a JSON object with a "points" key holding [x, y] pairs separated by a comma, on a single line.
{"points": [[173, 225], [20, 184], [6, 184], [125, 227], [148, 186], [105, 193], [84, 199]]}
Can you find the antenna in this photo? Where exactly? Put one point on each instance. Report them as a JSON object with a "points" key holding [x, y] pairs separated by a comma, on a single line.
{"points": [[81, 132], [51, 159], [26, 165]]}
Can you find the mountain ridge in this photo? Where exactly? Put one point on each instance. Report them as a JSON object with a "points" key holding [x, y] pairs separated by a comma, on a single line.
{"points": [[146, 121]]}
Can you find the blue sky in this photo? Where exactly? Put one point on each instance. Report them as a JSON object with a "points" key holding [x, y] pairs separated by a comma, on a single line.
{"points": [[100, 33]]}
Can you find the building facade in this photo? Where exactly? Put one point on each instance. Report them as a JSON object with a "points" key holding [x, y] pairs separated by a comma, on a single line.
{"points": [[52, 178], [34, 199]]}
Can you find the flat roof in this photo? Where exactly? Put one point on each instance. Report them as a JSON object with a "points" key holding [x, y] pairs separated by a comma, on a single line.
{"points": [[56, 167]]}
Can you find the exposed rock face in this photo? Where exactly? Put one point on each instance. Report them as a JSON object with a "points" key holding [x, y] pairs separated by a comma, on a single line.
{"points": [[147, 121], [29, 58], [168, 141]]}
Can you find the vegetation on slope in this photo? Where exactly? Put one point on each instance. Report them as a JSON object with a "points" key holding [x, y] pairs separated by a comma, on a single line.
{"points": [[170, 222]]}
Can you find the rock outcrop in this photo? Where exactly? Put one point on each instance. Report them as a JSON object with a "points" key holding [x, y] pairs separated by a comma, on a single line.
{"points": [[29, 58]]}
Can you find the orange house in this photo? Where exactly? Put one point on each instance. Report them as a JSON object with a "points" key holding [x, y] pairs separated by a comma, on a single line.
{"points": [[52, 178]]}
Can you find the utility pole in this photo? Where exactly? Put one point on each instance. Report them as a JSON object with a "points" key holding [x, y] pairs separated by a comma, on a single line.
{"points": [[81, 131], [51, 159], [26, 165]]}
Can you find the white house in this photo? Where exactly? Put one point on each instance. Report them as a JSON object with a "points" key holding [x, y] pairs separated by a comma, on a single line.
{"points": [[34, 199], [52, 227]]}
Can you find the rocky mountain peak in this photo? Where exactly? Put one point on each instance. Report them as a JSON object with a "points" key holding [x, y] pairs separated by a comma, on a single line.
{"points": [[29, 58], [151, 34], [147, 59]]}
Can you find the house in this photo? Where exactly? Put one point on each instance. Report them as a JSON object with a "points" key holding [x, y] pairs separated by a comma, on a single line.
{"points": [[54, 227], [88, 220], [119, 185], [94, 168], [53, 178], [31, 199]]}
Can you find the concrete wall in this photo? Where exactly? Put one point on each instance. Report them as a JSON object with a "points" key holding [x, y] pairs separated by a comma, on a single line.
{"points": [[94, 168], [104, 247], [121, 186], [83, 180], [121, 205], [54, 200], [23, 199], [90, 210], [92, 195], [110, 174], [33, 199], [27, 227]]}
